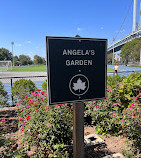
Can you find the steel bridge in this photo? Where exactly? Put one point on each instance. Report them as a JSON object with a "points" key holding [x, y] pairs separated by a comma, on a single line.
{"points": [[117, 45], [136, 32]]}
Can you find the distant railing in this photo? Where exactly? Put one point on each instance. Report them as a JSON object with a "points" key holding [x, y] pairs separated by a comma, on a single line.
{"points": [[8, 83]]}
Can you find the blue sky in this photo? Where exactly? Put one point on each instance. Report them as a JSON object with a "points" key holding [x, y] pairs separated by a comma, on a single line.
{"points": [[27, 22]]}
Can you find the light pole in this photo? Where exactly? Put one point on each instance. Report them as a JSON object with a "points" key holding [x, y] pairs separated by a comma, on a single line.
{"points": [[12, 43], [113, 52]]}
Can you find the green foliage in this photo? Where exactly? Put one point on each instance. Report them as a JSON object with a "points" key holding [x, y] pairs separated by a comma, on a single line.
{"points": [[47, 128], [3, 96], [109, 58], [131, 50], [25, 60], [39, 60], [21, 86], [5, 54], [120, 112], [44, 86]]}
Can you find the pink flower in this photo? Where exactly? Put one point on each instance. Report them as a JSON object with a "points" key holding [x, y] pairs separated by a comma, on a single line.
{"points": [[18, 101], [22, 130], [3, 120], [38, 95], [38, 90], [36, 109], [20, 118], [114, 114], [134, 97], [26, 97], [34, 94], [109, 90], [108, 87], [84, 113], [139, 117], [132, 105], [95, 109], [28, 117], [132, 116], [17, 105], [94, 102], [21, 110], [122, 120], [91, 115], [14, 138], [97, 105], [28, 107], [66, 104], [115, 104], [31, 101]]}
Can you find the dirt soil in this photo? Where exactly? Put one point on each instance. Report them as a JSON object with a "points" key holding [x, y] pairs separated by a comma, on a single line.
{"points": [[112, 144]]}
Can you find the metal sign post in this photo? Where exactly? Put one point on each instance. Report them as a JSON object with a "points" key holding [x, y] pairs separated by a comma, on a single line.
{"points": [[77, 70], [78, 130]]}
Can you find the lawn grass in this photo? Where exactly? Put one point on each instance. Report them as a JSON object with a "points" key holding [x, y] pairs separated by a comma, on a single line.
{"points": [[38, 69], [30, 68]]}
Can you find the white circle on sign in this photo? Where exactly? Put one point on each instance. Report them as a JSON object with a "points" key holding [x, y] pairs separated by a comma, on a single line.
{"points": [[79, 84]]}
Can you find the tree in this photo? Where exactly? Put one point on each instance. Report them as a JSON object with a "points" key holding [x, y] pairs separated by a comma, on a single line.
{"points": [[39, 60], [5, 54], [25, 60], [16, 60], [131, 51], [109, 58]]}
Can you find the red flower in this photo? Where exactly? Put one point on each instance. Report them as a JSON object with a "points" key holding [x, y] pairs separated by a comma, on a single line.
{"points": [[38, 90], [22, 129], [26, 97], [132, 116], [28, 107], [36, 109], [28, 117], [91, 115], [42, 92]]}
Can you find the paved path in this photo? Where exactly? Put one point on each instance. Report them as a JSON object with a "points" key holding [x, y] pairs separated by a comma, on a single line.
{"points": [[22, 74]]}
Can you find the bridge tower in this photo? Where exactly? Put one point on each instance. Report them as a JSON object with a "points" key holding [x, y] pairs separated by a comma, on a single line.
{"points": [[134, 15]]}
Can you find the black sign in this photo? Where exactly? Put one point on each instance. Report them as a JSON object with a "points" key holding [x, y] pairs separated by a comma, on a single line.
{"points": [[76, 69]]}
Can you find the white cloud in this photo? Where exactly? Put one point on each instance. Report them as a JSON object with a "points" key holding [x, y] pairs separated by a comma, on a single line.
{"points": [[18, 45], [28, 42], [79, 29], [101, 28]]}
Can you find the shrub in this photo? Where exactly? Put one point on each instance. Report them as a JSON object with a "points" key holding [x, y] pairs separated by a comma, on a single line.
{"points": [[3, 96], [21, 86], [46, 128], [44, 86], [120, 112]]}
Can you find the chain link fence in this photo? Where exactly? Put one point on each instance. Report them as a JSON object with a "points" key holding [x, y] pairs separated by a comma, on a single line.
{"points": [[9, 78]]}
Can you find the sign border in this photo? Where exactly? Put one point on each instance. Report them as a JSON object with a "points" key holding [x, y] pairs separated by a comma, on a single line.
{"points": [[48, 68]]}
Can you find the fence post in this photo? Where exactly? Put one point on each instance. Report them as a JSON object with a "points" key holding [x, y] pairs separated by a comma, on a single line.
{"points": [[11, 93]]}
